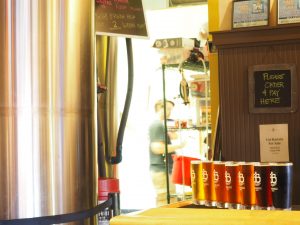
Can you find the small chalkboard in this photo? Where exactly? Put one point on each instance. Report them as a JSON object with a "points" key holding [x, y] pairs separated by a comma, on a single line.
{"points": [[120, 18], [272, 88]]}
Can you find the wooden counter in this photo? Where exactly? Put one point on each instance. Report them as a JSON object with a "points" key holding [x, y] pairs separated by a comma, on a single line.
{"points": [[190, 216]]}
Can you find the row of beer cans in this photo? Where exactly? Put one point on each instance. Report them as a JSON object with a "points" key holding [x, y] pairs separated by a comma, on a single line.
{"points": [[242, 185]]}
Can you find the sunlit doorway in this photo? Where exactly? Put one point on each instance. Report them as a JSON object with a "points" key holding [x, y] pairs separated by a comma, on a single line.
{"points": [[137, 191]]}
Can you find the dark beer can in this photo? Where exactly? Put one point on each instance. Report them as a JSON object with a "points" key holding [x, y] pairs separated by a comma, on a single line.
{"points": [[262, 186], [281, 179]]}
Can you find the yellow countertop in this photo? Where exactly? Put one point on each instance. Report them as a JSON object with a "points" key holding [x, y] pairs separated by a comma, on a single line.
{"points": [[190, 216]]}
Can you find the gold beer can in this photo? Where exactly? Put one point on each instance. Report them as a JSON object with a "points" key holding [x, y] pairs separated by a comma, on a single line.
{"points": [[197, 183]]}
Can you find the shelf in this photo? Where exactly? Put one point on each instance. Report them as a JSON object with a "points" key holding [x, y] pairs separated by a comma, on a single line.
{"points": [[202, 98], [201, 77], [256, 36], [201, 127], [196, 66], [182, 197]]}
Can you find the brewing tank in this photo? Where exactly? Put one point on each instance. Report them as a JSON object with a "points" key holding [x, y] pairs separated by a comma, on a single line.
{"points": [[47, 108]]}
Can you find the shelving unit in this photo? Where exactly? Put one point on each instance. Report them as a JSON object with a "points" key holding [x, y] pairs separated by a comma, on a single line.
{"points": [[200, 127]]}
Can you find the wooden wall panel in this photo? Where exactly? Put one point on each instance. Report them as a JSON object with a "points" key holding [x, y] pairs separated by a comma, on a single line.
{"points": [[240, 129]]}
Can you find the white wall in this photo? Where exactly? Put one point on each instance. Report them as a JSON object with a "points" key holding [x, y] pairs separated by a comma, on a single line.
{"points": [[155, 4], [183, 22]]}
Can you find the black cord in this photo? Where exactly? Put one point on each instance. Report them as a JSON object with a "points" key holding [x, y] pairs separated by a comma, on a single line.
{"points": [[58, 219], [118, 158]]}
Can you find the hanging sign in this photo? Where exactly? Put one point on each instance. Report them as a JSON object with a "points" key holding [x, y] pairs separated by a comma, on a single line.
{"points": [[272, 88], [288, 11], [120, 18]]}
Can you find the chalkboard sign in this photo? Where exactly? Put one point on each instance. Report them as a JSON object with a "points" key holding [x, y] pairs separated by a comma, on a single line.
{"points": [[120, 18], [272, 88]]}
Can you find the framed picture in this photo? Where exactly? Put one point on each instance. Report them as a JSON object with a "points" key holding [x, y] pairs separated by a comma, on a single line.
{"points": [[288, 11], [250, 13]]}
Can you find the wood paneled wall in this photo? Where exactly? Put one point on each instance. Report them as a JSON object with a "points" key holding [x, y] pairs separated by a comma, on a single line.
{"points": [[240, 129]]}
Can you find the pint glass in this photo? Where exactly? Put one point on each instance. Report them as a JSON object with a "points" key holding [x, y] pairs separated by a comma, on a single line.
{"points": [[262, 186], [197, 182], [232, 184], [208, 183], [220, 184], [247, 188], [281, 178]]}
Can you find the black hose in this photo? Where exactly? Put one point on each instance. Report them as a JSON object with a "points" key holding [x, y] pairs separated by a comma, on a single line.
{"points": [[118, 158]]}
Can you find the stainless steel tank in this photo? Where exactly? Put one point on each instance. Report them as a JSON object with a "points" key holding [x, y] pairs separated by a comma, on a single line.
{"points": [[47, 108], [108, 123]]}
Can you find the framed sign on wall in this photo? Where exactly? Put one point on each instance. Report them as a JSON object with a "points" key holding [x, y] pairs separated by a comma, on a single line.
{"points": [[288, 11], [272, 88], [250, 13]]}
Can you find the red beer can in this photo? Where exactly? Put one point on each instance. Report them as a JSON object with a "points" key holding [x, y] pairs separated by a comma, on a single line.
{"points": [[247, 187], [232, 170], [220, 184]]}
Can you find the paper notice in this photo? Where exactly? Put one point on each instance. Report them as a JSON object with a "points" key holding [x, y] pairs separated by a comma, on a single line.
{"points": [[274, 145]]}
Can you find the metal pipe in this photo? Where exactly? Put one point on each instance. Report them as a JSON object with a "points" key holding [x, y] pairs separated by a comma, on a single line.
{"points": [[47, 108], [166, 133]]}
